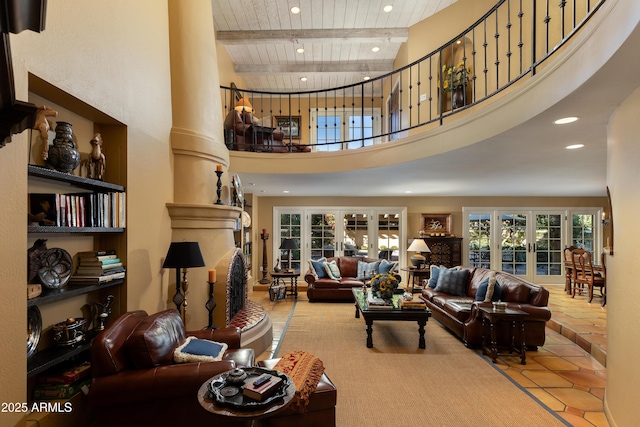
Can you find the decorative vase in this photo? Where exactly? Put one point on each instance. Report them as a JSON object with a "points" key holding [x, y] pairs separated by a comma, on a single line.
{"points": [[457, 97], [63, 154], [388, 294], [276, 267]]}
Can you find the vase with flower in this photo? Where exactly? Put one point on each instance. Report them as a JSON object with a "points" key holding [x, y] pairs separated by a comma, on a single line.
{"points": [[383, 285], [455, 79]]}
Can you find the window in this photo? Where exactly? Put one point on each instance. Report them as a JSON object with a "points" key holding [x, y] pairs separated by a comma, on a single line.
{"points": [[344, 124]]}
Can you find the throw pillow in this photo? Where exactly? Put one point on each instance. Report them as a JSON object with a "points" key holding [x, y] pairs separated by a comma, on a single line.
{"points": [[366, 270], [197, 350], [317, 267], [489, 289], [386, 266], [332, 269], [434, 274], [453, 282]]}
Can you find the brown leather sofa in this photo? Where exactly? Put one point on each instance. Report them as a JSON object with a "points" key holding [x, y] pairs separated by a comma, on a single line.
{"points": [[321, 411], [243, 135], [135, 381], [337, 290], [461, 315]]}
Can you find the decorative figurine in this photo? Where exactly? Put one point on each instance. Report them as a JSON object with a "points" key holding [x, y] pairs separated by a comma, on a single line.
{"points": [[100, 312], [96, 163], [42, 125], [35, 255]]}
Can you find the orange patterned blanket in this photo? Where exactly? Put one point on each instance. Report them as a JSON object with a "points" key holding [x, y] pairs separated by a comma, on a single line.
{"points": [[305, 370]]}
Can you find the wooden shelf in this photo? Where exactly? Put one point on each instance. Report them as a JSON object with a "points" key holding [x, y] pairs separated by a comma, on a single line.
{"points": [[56, 229], [51, 295], [52, 356], [77, 181]]}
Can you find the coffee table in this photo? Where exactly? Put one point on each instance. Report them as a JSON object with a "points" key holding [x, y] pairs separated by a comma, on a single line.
{"points": [[395, 313]]}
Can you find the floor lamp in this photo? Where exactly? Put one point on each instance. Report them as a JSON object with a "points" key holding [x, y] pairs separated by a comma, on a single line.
{"points": [[183, 255]]}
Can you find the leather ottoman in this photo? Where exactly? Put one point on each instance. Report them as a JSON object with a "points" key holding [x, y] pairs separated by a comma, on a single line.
{"points": [[321, 411]]}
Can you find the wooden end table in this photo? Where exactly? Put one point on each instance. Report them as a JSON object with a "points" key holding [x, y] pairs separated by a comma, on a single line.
{"points": [[514, 317], [420, 273], [282, 276]]}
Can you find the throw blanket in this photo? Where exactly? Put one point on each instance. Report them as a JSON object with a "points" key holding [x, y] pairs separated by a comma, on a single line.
{"points": [[305, 370]]}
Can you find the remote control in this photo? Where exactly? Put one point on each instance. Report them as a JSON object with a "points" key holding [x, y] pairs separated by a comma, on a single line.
{"points": [[262, 380]]}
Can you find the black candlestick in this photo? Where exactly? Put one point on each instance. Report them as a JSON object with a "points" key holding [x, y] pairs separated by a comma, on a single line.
{"points": [[211, 305], [219, 190]]}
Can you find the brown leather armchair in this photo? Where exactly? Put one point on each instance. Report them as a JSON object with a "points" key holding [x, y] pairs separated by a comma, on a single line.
{"points": [[241, 135], [135, 381]]}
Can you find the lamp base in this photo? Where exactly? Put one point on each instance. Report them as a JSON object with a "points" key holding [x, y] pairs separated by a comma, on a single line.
{"points": [[418, 260]]}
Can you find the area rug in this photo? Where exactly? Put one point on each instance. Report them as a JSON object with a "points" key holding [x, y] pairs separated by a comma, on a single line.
{"points": [[397, 384]]}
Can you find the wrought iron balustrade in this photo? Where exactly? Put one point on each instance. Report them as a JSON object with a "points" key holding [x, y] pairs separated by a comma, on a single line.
{"points": [[509, 43]]}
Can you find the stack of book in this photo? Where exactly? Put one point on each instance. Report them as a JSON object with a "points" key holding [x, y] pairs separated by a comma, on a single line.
{"points": [[412, 304], [79, 209], [261, 387], [62, 382], [95, 267], [376, 303]]}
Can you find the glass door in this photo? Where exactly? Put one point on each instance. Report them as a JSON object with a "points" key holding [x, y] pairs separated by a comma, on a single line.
{"points": [[323, 234], [513, 243], [355, 234], [290, 228], [480, 240], [548, 246], [388, 244]]}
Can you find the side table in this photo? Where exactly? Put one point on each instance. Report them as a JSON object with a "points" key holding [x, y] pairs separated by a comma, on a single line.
{"points": [[420, 273], [514, 317], [283, 276]]}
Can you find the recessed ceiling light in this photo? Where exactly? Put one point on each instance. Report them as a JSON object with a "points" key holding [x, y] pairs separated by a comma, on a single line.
{"points": [[459, 42], [366, 78], [300, 50], [375, 49], [295, 10], [565, 120], [574, 146], [408, 191], [303, 79], [286, 191], [388, 8]]}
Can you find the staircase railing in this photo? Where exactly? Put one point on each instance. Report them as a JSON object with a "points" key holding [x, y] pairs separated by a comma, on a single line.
{"points": [[511, 41]]}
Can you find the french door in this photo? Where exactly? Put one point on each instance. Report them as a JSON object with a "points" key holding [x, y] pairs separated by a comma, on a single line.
{"points": [[527, 243]]}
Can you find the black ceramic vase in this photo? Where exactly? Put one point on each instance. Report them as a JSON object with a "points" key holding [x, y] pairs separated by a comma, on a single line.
{"points": [[457, 97], [63, 154]]}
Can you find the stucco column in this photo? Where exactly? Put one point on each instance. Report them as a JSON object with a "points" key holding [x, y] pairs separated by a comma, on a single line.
{"points": [[197, 142]]}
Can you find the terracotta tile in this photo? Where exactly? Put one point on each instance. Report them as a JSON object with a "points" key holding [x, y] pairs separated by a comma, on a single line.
{"points": [[585, 362], [544, 397], [565, 350], [598, 392], [574, 411], [575, 420], [584, 378], [556, 363], [520, 379], [547, 379], [578, 399], [598, 419], [569, 334]]}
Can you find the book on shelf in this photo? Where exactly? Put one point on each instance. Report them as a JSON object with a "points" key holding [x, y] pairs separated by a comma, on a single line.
{"points": [[67, 373], [59, 391], [98, 255], [99, 270], [96, 280], [268, 385], [78, 209], [98, 262]]}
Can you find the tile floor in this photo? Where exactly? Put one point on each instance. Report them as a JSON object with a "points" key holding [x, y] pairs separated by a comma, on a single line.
{"points": [[567, 374]]}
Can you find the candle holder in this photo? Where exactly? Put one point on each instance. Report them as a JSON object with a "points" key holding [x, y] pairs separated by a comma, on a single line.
{"points": [[219, 190], [265, 265], [211, 305]]}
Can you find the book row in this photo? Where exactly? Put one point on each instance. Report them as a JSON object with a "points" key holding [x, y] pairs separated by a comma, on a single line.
{"points": [[78, 209]]}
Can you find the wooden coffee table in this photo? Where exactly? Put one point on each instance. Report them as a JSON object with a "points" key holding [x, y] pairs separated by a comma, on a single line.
{"points": [[395, 313]]}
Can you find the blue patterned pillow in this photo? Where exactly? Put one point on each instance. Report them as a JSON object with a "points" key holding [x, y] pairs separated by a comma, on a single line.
{"points": [[485, 293], [332, 269], [452, 282], [434, 274], [386, 266], [366, 270], [317, 267]]}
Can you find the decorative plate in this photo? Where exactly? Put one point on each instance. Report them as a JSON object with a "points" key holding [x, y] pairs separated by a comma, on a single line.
{"points": [[56, 268], [246, 219], [239, 192], [34, 330]]}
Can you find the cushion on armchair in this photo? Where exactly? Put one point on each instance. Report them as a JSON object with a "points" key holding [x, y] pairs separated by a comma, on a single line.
{"points": [[197, 350]]}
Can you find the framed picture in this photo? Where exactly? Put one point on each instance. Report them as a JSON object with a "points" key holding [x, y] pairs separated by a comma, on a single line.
{"points": [[290, 125], [436, 224]]}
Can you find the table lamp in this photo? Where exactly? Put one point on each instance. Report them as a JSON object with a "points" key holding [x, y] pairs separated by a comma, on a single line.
{"points": [[418, 246], [243, 104], [183, 255], [288, 245]]}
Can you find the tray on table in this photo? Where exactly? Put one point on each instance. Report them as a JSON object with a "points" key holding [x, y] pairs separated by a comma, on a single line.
{"points": [[223, 393]]}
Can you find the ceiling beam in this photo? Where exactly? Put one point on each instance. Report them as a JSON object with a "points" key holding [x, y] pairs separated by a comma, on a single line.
{"points": [[324, 67], [358, 35]]}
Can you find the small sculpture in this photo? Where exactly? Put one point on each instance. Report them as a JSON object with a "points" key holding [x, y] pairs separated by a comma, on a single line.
{"points": [[42, 125], [100, 312], [96, 163]]}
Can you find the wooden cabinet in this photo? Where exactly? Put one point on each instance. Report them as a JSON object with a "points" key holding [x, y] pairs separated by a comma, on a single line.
{"points": [[445, 251]]}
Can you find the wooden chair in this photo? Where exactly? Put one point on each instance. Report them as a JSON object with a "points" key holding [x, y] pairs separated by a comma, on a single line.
{"points": [[568, 269], [584, 274]]}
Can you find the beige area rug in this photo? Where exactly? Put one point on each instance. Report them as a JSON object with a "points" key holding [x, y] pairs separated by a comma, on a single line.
{"points": [[397, 384]]}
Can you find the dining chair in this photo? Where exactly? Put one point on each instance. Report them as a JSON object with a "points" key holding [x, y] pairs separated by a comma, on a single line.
{"points": [[603, 273], [568, 269], [584, 273]]}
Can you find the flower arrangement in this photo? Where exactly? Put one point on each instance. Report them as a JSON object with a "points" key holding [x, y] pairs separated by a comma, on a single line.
{"points": [[384, 284], [454, 76]]}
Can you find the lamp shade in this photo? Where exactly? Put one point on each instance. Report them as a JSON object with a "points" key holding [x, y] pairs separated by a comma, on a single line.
{"points": [[183, 255], [418, 245], [243, 104], [288, 244]]}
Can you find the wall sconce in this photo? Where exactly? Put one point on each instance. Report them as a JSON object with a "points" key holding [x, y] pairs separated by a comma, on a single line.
{"points": [[183, 255]]}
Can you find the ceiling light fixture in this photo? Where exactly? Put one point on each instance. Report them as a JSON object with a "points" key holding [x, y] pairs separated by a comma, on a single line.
{"points": [[388, 8], [459, 42], [565, 120], [300, 50], [375, 49], [295, 10], [286, 191], [303, 79], [366, 78], [408, 191], [574, 146]]}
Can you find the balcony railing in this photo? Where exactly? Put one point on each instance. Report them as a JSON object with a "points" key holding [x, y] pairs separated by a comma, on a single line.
{"points": [[510, 42]]}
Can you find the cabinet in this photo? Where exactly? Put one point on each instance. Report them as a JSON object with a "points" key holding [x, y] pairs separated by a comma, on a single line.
{"points": [[445, 251], [56, 305]]}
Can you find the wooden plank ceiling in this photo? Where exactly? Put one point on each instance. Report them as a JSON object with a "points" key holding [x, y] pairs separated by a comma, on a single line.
{"points": [[262, 36]]}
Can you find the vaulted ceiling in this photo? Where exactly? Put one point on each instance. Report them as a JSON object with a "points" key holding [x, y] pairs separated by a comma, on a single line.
{"points": [[338, 38]]}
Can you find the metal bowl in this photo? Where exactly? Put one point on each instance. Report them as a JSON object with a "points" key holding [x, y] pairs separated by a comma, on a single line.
{"points": [[69, 332], [34, 330]]}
